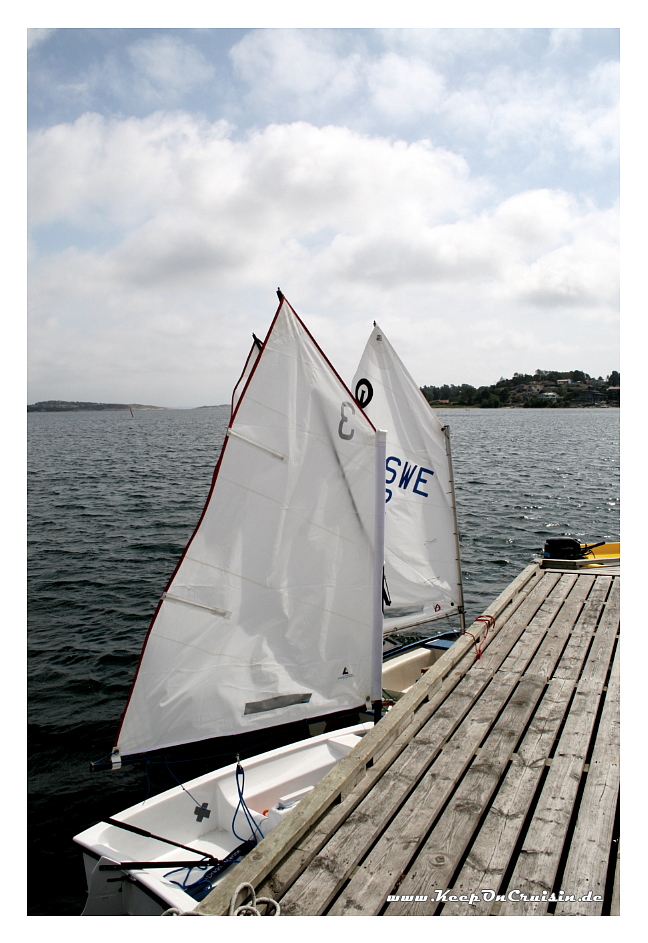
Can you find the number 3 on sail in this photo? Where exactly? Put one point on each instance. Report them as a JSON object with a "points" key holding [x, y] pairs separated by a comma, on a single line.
{"points": [[347, 408]]}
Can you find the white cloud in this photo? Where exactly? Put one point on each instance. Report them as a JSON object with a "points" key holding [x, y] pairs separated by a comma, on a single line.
{"points": [[403, 89], [115, 172], [169, 67], [538, 220], [353, 227], [300, 68], [499, 92], [564, 39], [37, 36]]}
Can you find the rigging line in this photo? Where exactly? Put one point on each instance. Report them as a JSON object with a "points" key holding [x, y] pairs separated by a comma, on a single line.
{"points": [[173, 775]]}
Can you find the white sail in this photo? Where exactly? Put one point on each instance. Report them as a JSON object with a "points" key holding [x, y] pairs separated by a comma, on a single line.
{"points": [[268, 617], [422, 566]]}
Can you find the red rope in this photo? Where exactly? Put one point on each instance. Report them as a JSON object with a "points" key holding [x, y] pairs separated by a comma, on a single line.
{"points": [[490, 624]]}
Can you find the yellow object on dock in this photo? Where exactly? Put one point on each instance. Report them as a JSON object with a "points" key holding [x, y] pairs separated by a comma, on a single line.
{"points": [[490, 788], [608, 555]]}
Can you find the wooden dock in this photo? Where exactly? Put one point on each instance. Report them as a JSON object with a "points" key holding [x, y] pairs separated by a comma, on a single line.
{"points": [[495, 779]]}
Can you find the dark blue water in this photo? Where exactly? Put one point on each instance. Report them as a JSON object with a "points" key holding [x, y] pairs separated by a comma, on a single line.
{"points": [[112, 503]]}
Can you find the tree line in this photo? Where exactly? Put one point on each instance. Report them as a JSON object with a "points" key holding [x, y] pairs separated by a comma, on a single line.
{"points": [[526, 390]]}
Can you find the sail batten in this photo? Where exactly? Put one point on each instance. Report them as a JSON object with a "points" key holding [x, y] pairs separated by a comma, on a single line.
{"points": [[224, 613], [286, 548], [257, 445]]}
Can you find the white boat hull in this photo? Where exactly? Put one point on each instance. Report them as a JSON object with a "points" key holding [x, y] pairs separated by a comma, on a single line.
{"points": [[198, 816]]}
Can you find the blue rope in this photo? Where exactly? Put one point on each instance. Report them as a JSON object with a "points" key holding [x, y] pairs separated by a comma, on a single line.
{"points": [[197, 889], [200, 888], [240, 785]]}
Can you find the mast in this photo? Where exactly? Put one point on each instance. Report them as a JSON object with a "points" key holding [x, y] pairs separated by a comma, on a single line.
{"points": [[462, 614], [379, 570]]}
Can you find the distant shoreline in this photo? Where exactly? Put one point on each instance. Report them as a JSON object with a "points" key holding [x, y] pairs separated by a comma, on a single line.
{"points": [[62, 406]]}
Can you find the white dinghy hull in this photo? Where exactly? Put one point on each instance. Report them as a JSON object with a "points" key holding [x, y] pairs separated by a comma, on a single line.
{"points": [[198, 817]]}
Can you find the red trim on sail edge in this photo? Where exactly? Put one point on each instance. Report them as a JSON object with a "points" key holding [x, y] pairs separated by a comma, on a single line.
{"points": [[213, 484]]}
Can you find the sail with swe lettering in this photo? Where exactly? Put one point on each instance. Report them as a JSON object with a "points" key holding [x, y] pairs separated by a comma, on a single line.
{"points": [[422, 565], [268, 617]]}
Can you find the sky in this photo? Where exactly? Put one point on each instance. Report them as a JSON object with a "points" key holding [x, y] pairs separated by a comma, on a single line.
{"points": [[458, 186]]}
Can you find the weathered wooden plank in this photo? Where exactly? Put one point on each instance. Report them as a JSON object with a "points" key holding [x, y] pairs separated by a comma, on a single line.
{"points": [[342, 778], [537, 865], [375, 878], [441, 853], [615, 906], [495, 842], [598, 660], [576, 620], [573, 656], [314, 890], [549, 652], [528, 643], [589, 854]]}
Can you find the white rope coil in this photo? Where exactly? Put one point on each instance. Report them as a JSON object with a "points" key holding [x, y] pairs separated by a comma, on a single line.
{"points": [[250, 909], [176, 912], [244, 910]]}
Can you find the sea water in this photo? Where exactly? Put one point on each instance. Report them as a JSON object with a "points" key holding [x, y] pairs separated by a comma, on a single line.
{"points": [[112, 503]]}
